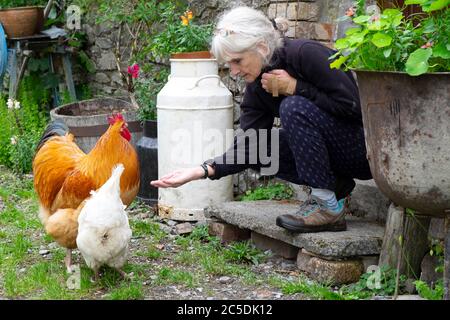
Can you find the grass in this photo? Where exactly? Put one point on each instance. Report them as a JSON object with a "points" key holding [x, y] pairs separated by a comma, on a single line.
{"points": [[24, 273], [156, 261]]}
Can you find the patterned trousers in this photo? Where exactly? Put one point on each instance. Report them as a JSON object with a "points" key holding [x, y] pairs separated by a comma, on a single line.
{"points": [[316, 147]]}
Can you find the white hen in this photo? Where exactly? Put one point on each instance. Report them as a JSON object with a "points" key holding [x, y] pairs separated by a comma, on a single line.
{"points": [[103, 228]]}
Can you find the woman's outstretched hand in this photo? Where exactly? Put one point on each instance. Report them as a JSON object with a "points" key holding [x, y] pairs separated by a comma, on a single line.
{"points": [[179, 177]]}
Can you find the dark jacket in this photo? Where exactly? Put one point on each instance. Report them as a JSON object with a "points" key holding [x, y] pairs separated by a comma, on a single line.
{"points": [[334, 91]]}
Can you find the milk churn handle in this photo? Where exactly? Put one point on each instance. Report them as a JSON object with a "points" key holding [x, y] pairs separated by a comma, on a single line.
{"points": [[206, 77]]}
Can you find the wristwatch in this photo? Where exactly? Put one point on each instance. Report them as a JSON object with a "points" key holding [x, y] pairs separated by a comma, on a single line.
{"points": [[205, 165]]}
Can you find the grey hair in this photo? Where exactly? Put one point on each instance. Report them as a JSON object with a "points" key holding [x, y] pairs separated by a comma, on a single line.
{"points": [[242, 29]]}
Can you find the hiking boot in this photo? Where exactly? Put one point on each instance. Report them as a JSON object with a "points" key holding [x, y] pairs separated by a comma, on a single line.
{"points": [[319, 219]]}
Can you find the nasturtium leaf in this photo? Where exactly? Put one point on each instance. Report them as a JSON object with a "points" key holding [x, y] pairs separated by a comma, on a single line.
{"points": [[336, 64], [381, 40], [341, 44], [437, 5], [361, 19], [351, 31], [415, 1], [417, 62], [441, 51]]}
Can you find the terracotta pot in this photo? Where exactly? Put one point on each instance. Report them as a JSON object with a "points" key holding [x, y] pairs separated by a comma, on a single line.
{"points": [[22, 21], [192, 55]]}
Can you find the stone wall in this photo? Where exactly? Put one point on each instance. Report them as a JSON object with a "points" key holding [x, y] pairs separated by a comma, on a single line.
{"points": [[312, 19]]}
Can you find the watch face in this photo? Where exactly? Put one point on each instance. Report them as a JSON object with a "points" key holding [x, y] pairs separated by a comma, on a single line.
{"points": [[211, 163]]}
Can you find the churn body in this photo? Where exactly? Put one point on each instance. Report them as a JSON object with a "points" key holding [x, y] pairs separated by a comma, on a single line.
{"points": [[195, 123]]}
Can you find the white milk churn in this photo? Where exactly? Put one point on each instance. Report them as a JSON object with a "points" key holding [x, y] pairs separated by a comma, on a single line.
{"points": [[195, 123]]}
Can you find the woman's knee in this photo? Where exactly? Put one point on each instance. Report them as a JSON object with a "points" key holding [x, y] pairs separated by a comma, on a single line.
{"points": [[296, 106]]}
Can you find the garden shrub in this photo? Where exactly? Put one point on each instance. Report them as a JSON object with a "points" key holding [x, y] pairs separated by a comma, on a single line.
{"points": [[23, 127]]}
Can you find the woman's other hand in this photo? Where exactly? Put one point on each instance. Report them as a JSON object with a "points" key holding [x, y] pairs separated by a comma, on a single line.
{"points": [[179, 177], [278, 81]]}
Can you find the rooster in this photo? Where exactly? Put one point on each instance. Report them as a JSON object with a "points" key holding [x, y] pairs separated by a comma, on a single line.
{"points": [[103, 228], [64, 176]]}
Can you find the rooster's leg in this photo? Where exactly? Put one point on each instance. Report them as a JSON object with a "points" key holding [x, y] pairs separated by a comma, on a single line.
{"points": [[68, 260], [125, 275], [96, 276]]}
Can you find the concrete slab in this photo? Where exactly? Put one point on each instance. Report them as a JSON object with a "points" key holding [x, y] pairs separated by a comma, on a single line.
{"points": [[361, 238]]}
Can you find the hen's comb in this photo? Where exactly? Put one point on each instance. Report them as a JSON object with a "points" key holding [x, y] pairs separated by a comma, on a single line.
{"points": [[114, 118]]}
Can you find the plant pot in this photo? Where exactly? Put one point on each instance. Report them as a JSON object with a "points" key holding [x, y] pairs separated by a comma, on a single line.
{"points": [[147, 150], [406, 123], [22, 21], [192, 55]]}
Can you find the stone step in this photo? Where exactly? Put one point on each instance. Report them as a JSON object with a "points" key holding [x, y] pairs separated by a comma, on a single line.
{"points": [[362, 237]]}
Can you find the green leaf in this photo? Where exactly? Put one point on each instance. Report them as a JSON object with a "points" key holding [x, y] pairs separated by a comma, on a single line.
{"points": [[415, 2], [86, 62], [336, 64], [351, 31], [376, 25], [436, 5], [341, 44], [387, 52], [381, 40], [417, 62], [394, 16], [429, 26], [361, 19], [441, 50]]}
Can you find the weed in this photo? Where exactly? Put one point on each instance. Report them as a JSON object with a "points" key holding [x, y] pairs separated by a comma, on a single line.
{"points": [[132, 291], [436, 293], [142, 228], [173, 276], [382, 282], [274, 191], [243, 252]]}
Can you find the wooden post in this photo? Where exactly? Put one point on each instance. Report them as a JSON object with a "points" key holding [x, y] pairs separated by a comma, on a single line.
{"points": [[405, 238]]}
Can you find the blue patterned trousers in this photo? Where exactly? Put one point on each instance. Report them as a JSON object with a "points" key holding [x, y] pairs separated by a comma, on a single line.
{"points": [[316, 147]]}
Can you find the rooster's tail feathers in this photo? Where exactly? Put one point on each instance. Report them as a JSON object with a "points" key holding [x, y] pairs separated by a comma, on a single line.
{"points": [[54, 128]]}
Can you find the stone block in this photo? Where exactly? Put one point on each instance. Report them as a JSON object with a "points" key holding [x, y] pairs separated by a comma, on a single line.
{"points": [[107, 61], [227, 232], [362, 238], [368, 202], [437, 228], [104, 43], [428, 267], [183, 228], [330, 272], [278, 247], [102, 78], [294, 11], [314, 31], [368, 261]]}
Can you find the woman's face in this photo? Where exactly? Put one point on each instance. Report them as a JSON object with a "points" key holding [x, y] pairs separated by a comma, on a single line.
{"points": [[248, 65]]}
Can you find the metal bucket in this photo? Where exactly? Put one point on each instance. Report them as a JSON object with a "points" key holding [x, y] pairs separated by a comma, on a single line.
{"points": [[407, 129]]}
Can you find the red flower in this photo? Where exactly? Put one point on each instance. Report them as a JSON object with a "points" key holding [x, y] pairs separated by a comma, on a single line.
{"points": [[427, 45], [134, 70]]}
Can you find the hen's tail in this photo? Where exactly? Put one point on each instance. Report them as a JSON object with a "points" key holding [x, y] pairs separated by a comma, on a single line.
{"points": [[54, 128]]}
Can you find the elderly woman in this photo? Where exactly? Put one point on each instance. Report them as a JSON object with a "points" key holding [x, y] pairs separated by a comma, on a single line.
{"points": [[321, 142]]}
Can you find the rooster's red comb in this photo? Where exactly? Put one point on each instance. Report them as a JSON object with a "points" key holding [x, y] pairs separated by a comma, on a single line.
{"points": [[114, 118]]}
